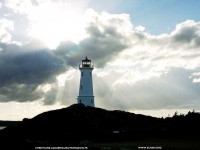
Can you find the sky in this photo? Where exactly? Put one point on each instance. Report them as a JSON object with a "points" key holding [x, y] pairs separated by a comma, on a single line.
{"points": [[146, 55]]}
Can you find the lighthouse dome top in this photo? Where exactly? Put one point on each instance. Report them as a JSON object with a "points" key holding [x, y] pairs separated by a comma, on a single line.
{"points": [[86, 59]]}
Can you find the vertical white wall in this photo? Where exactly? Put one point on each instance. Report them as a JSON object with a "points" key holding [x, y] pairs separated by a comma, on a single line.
{"points": [[86, 96]]}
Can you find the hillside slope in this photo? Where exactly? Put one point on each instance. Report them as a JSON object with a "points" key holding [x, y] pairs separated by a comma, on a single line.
{"points": [[77, 123]]}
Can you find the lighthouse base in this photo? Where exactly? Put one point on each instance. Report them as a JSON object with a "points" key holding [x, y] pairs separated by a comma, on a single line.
{"points": [[86, 100]]}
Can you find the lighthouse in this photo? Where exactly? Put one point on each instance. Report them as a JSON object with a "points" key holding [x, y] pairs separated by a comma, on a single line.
{"points": [[86, 96]]}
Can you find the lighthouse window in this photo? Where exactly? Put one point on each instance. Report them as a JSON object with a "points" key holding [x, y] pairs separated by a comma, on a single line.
{"points": [[81, 73], [91, 101], [81, 87]]}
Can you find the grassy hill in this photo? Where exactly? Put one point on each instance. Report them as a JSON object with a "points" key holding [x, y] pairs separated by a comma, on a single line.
{"points": [[98, 128]]}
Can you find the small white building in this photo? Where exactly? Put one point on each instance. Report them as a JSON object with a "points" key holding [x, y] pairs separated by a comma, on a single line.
{"points": [[86, 95]]}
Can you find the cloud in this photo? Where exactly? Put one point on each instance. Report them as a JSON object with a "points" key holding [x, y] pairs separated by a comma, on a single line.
{"points": [[133, 69], [27, 67], [169, 91], [155, 72], [6, 26], [176, 49], [108, 35], [65, 91], [32, 65], [111, 33], [187, 33], [20, 92], [140, 28], [48, 20], [24, 70]]}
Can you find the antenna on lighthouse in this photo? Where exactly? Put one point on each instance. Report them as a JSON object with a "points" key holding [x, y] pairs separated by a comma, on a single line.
{"points": [[86, 96]]}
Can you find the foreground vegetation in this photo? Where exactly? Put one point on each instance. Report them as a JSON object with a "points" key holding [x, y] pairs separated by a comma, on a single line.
{"points": [[97, 128]]}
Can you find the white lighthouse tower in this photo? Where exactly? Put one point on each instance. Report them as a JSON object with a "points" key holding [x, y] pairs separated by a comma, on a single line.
{"points": [[86, 96]]}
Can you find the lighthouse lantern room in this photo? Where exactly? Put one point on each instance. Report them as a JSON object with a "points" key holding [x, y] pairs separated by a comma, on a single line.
{"points": [[86, 96]]}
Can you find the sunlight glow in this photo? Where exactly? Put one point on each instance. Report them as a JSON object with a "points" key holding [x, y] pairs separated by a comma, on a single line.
{"points": [[56, 22], [18, 111], [62, 78], [46, 88]]}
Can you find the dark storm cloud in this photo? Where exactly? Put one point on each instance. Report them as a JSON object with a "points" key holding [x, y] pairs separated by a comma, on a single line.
{"points": [[23, 70], [19, 92], [69, 52], [100, 46], [27, 67], [103, 46]]}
